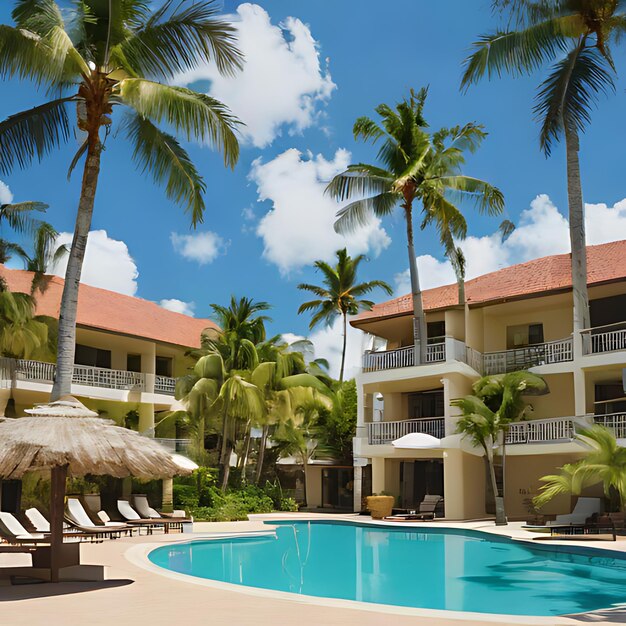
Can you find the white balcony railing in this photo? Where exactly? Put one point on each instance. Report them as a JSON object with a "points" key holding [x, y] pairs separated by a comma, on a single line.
{"points": [[529, 356], [401, 357], [164, 384], [38, 371], [553, 430], [609, 338], [386, 432], [615, 421]]}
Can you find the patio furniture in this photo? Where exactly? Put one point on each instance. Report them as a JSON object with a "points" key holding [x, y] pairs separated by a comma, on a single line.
{"points": [[143, 508], [425, 512], [132, 517], [584, 509], [602, 530], [12, 531], [78, 518]]}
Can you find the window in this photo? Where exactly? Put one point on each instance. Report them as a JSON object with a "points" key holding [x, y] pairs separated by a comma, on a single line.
{"points": [[523, 335], [435, 331], [163, 366], [426, 404], [133, 362], [96, 357]]}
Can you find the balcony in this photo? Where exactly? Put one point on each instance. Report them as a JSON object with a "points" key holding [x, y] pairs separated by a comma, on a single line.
{"points": [[379, 433], [555, 430], [41, 372], [615, 421], [530, 356], [174, 445], [603, 339]]}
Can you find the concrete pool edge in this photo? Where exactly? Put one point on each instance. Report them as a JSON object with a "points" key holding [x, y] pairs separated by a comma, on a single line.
{"points": [[138, 555]]}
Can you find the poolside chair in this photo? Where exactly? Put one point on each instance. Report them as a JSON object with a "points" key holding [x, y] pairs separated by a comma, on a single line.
{"points": [[12, 531], [142, 506], [426, 510], [132, 517], [584, 509], [78, 518]]}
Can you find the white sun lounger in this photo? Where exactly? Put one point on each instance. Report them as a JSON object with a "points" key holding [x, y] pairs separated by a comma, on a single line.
{"points": [[78, 516], [13, 530], [584, 509]]}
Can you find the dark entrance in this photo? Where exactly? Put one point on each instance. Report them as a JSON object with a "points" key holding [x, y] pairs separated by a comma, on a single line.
{"points": [[338, 488], [420, 478]]}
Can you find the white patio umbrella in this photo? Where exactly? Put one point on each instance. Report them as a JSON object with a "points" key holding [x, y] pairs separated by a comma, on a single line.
{"points": [[417, 441], [66, 437]]}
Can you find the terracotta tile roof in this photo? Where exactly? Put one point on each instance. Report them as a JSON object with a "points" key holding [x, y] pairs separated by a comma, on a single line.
{"points": [[107, 310], [605, 263]]}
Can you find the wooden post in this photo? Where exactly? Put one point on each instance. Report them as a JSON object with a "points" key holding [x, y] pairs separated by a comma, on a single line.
{"points": [[57, 507]]}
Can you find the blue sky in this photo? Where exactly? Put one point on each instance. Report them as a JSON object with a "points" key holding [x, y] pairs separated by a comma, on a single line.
{"points": [[327, 64]]}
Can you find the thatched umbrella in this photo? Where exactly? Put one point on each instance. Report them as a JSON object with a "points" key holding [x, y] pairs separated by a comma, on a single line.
{"points": [[65, 436]]}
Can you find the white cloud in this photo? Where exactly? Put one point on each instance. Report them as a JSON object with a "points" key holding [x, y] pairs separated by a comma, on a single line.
{"points": [[327, 342], [178, 306], [282, 82], [108, 263], [200, 247], [299, 228], [6, 197], [541, 231]]}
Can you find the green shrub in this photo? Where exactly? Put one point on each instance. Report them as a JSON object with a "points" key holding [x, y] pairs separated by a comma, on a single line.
{"points": [[289, 504]]}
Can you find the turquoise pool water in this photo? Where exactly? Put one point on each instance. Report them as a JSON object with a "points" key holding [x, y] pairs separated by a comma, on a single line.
{"points": [[433, 568]]}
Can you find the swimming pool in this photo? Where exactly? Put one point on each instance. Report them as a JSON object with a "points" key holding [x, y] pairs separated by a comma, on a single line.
{"points": [[426, 568]]}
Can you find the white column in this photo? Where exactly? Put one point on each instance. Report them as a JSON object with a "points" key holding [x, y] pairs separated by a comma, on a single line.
{"points": [[357, 488]]}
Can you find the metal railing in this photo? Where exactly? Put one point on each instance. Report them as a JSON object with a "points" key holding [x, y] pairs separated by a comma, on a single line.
{"points": [[174, 445], [38, 371], [529, 356], [386, 432], [608, 338], [552, 430], [164, 384], [401, 357], [615, 421]]}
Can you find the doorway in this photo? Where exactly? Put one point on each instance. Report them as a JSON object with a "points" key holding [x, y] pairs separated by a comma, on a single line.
{"points": [[418, 479]]}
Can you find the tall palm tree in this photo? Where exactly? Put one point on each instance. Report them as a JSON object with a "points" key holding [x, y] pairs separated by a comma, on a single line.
{"points": [[22, 334], [416, 166], [105, 56], [341, 295], [575, 36], [497, 401]]}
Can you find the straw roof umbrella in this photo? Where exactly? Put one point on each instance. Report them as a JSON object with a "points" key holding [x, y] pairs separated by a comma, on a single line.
{"points": [[66, 437]]}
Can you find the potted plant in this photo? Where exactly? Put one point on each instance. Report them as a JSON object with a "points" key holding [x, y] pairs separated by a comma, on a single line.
{"points": [[380, 506]]}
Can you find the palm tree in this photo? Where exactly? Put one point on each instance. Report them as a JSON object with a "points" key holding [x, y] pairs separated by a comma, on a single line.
{"points": [[497, 402], [102, 57], [340, 296], [22, 334], [604, 463], [576, 37], [46, 254], [416, 166]]}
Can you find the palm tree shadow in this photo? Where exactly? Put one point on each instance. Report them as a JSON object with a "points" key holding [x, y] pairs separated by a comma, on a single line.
{"points": [[603, 616], [43, 589]]}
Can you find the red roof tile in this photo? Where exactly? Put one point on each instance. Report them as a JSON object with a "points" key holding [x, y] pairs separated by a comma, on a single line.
{"points": [[115, 312], [605, 263]]}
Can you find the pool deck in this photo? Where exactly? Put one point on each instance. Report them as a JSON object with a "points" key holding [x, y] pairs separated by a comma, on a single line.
{"points": [[135, 593]]}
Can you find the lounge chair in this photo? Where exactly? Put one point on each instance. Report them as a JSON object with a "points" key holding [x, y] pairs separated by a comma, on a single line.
{"points": [[426, 511], [143, 508], [133, 517], [12, 531], [584, 509], [78, 518]]}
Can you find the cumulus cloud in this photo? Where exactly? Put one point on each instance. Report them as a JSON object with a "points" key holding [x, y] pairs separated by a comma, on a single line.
{"points": [[299, 228], [178, 306], [327, 343], [6, 197], [282, 83], [202, 247], [542, 230], [108, 263]]}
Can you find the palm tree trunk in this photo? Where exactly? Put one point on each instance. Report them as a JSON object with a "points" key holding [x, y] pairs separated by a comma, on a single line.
{"points": [[343, 349], [261, 455], [577, 231], [224, 457], [66, 343], [499, 500], [460, 282], [419, 321], [304, 466]]}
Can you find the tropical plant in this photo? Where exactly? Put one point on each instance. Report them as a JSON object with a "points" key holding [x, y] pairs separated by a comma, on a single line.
{"points": [[338, 424], [45, 256], [340, 295], [416, 166], [101, 57], [497, 401], [575, 36], [19, 217], [605, 463], [21, 334]]}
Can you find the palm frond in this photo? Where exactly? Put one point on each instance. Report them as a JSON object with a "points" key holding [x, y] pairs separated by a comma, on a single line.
{"points": [[33, 133], [506, 229], [488, 199], [196, 116], [566, 97], [186, 38], [160, 155], [19, 216]]}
